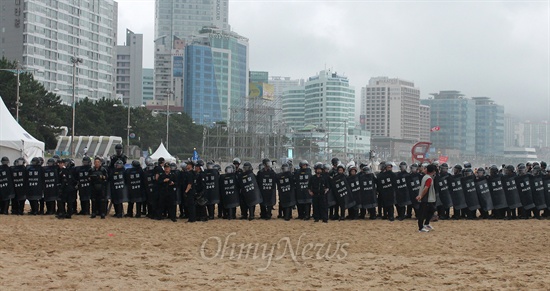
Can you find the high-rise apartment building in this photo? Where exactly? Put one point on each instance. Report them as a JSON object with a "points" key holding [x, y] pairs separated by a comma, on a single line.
{"points": [[148, 81], [489, 128], [43, 36], [391, 108], [129, 69]]}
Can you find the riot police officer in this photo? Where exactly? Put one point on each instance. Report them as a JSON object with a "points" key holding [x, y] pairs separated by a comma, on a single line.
{"points": [[84, 186], [6, 185], [98, 183], [68, 189], [267, 182], [35, 183], [318, 187], [137, 184], [118, 156], [167, 187], [20, 186]]}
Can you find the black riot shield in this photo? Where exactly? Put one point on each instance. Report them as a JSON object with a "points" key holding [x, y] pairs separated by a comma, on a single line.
{"points": [[302, 178], [537, 189], [414, 181], [285, 184], [51, 180], [19, 182], [35, 182], [251, 192], [119, 192], [524, 189], [331, 199], [368, 191], [136, 183], [511, 191], [6, 183], [497, 192], [546, 182], [442, 187], [470, 192], [385, 188], [457, 193], [355, 188], [402, 190], [229, 190], [84, 185], [267, 181], [484, 195], [212, 186], [342, 191]]}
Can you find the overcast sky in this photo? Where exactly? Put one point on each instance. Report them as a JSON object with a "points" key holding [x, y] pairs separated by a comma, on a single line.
{"points": [[498, 49]]}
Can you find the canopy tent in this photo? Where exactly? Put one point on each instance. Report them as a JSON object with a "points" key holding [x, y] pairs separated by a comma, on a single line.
{"points": [[161, 152], [15, 141]]}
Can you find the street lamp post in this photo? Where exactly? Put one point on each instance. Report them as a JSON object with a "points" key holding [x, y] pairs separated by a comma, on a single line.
{"points": [[17, 71], [169, 92], [74, 61]]}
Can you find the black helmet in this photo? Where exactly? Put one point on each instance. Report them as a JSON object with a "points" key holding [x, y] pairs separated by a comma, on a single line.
{"points": [[468, 172], [70, 163], [229, 169], [543, 165], [209, 165], [352, 168], [444, 165], [217, 167], [56, 158], [528, 164], [236, 161], [318, 165], [341, 166], [199, 163], [86, 161], [536, 170], [522, 169], [382, 166], [327, 167], [457, 169], [467, 165], [148, 160], [5, 161], [481, 171], [414, 166], [136, 164], [118, 149], [403, 166], [366, 169], [509, 169], [535, 164], [150, 165], [247, 166], [285, 167], [51, 162], [119, 164], [266, 162], [335, 162], [41, 159], [493, 169], [303, 163], [173, 166], [35, 161]]}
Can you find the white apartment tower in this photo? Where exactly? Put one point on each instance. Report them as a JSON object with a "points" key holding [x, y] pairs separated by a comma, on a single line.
{"points": [[43, 35], [392, 108]]}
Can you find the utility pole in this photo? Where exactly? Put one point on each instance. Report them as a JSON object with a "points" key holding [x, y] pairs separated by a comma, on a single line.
{"points": [[75, 61]]}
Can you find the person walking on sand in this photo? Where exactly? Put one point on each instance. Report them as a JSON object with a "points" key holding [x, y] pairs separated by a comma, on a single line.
{"points": [[426, 197]]}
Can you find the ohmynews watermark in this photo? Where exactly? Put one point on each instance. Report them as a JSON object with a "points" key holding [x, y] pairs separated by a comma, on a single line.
{"points": [[218, 247]]}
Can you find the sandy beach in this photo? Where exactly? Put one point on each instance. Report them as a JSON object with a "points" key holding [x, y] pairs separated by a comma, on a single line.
{"points": [[42, 252]]}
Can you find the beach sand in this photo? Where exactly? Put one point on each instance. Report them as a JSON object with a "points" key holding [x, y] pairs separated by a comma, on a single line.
{"points": [[42, 252]]}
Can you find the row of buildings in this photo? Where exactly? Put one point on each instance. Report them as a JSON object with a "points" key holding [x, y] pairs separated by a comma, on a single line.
{"points": [[201, 67]]}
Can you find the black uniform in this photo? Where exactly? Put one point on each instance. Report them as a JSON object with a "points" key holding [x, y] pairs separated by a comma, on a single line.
{"points": [[119, 191], [267, 182], [402, 196], [442, 189], [386, 191], [188, 181], [20, 187], [287, 196], [84, 189], [333, 210], [35, 182], [303, 199], [137, 190], [229, 194], [355, 191], [250, 191], [319, 186], [51, 191], [6, 188], [211, 190], [167, 188], [151, 192], [413, 180], [67, 195], [98, 181]]}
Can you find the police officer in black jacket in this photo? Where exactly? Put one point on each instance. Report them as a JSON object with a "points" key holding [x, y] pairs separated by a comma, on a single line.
{"points": [[68, 189], [318, 187], [98, 179], [167, 187]]}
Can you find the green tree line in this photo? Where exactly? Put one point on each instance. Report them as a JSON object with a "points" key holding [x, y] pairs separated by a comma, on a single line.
{"points": [[42, 114]]}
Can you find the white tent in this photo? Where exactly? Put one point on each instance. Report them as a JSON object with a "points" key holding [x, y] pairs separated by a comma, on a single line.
{"points": [[15, 141], [161, 152]]}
